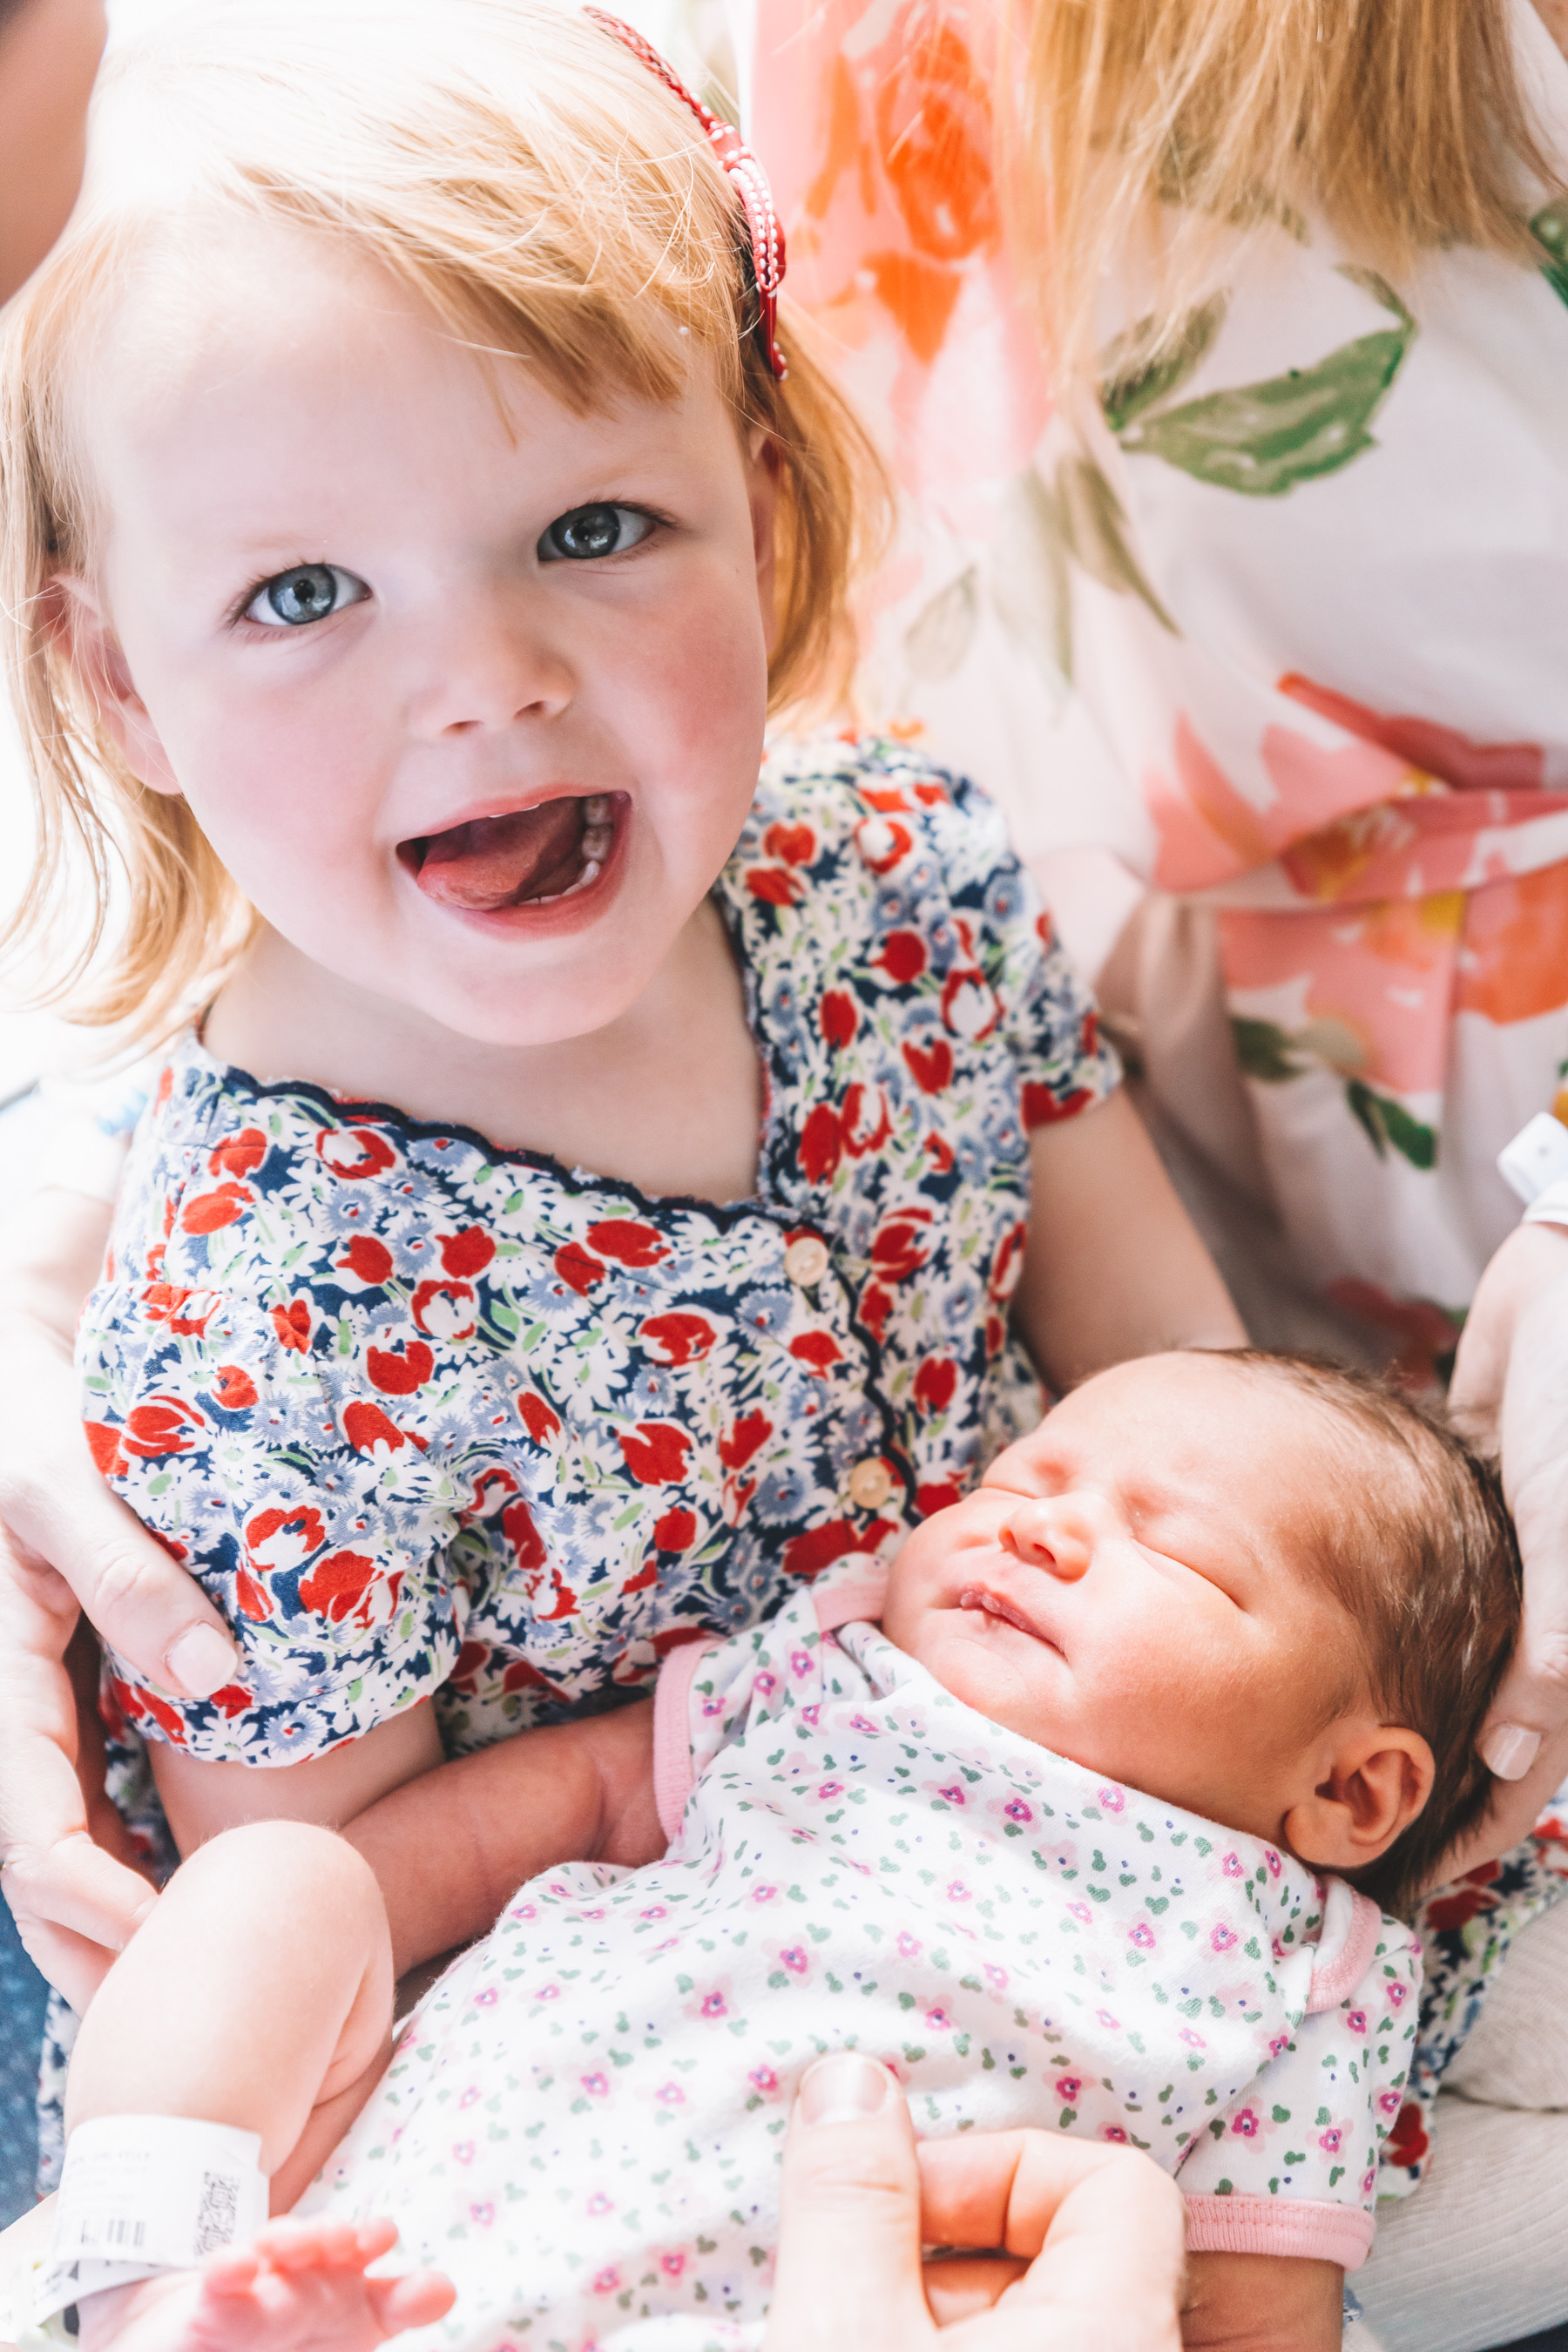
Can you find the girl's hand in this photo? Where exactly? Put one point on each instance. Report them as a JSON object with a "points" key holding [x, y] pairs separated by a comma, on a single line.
{"points": [[66, 1539], [1509, 1392], [1093, 2236]]}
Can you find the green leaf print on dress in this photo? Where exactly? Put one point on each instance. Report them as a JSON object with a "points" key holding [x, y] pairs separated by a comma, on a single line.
{"points": [[1273, 1056], [1263, 439], [1549, 230]]}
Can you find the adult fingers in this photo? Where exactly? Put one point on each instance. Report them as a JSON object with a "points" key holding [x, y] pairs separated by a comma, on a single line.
{"points": [[1105, 2228], [1532, 1704], [848, 2274]]}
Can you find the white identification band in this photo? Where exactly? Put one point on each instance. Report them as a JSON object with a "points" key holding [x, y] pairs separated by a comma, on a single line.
{"points": [[1536, 1166], [143, 2194]]}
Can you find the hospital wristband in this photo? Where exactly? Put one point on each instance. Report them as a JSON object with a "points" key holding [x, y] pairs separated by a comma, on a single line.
{"points": [[141, 2195]]}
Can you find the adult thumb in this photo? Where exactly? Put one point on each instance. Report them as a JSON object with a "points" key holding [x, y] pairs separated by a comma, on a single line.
{"points": [[849, 2272]]}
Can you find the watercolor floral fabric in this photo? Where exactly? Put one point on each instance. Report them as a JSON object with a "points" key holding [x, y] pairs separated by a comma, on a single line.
{"points": [[582, 2123]]}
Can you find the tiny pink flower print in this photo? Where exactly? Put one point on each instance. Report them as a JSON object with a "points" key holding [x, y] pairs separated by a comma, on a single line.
{"points": [[861, 1722], [598, 2204], [908, 1947], [938, 2019], [1017, 1810], [1223, 1938], [810, 1716], [1113, 1800], [607, 2282], [957, 1892], [463, 2151], [1115, 2133], [1194, 2041], [548, 1992], [1272, 1862], [1279, 1948], [1246, 2125], [800, 1662], [1067, 2086], [656, 1911], [1356, 2019], [671, 2095], [763, 1893], [763, 2079], [672, 2265], [764, 1686], [1081, 1911], [830, 1789], [951, 1793], [795, 1959], [714, 2005], [596, 2087], [1388, 2103], [1143, 1935], [1278, 2042], [1232, 1866], [1111, 2024], [1368, 2181], [996, 1978], [1396, 1992], [1332, 2141], [470, 2096]]}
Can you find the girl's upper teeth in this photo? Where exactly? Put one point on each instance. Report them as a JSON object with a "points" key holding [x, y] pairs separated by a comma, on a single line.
{"points": [[596, 811], [597, 841]]}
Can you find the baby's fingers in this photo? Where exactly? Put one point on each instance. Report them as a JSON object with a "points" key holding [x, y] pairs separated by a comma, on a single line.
{"points": [[413, 2302]]}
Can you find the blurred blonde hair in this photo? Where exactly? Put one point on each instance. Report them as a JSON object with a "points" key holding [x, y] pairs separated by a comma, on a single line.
{"points": [[1152, 130], [517, 171]]}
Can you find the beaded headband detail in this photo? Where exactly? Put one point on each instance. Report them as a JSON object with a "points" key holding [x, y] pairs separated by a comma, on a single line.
{"points": [[736, 161]]}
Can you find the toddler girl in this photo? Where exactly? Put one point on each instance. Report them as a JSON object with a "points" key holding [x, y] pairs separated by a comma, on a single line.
{"points": [[1048, 1843], [593, 1201]]}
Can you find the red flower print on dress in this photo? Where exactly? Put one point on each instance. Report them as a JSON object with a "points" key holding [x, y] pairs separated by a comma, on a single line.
{"points": [[238, 1155], [1008, 1264], [837, 1018], [675, 1531], [969, 1005], [542, 1420], [166, 1424], [399, 1372], [874, 1308], [903, 957], [466, 1253], [935, 1382], [931, 1066], [866, 1122], [817, 1350], [795, 844], [882, 842], [1468, 1897], [292, 1325], [337, 1584], [282, 1538], [184, 1313], [352, 1152], [1408, 2142], [776, 885], [677, 1339], [1043, 1106], [818, 1548], [821, 1143], [208, 1212], [367, 1261], [750, 1432], [902, 1245], [627, 1241], [446, 1311], [233, 1390], [369, 1431], [656, 1455]]}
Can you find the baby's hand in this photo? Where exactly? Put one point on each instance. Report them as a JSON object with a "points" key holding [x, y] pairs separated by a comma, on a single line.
{"points": [[299, 2286]]}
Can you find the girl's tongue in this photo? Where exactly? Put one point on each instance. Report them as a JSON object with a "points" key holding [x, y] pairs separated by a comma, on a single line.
{"points": [[513, 861]]}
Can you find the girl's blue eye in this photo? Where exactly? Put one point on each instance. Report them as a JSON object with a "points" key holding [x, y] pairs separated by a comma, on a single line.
{"points": [[591, 531], [310, 592]]}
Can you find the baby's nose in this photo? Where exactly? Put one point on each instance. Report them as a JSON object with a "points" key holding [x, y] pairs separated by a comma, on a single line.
{"points": [[1046, 1536]]}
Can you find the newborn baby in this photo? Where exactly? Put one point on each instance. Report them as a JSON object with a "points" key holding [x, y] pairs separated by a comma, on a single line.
{"points": [[1049, 1838]]}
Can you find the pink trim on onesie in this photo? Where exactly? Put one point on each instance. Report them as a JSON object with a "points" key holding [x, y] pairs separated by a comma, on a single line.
{"points": [[673, 1777], [1347, 1947], [1309, 2226], [857, 1589]]}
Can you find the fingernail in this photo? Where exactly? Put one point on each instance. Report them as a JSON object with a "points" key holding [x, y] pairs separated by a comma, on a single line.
{"points": [[1510, 1750], [843, 2089], [201, 1662]]}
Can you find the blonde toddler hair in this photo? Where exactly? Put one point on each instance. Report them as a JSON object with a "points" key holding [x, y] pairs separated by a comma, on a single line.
{"points": [[519, 171]]}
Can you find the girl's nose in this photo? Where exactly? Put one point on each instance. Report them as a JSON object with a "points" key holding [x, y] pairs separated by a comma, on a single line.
{"points": [[486, 669], [1050, 1535]]}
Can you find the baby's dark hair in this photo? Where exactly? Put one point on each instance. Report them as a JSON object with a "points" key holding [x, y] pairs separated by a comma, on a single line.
{"points": [[1418, 1549]]}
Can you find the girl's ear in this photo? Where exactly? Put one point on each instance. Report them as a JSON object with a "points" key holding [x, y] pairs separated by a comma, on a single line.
{"points": [[1378, 1780], [763, 466], [76, 621]]}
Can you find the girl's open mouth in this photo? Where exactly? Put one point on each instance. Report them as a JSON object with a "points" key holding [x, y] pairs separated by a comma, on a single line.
{"points": [[532, 857]]}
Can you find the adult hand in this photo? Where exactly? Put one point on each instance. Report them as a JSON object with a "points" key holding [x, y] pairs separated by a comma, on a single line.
{"points": [[65, 1539], [1093, 2236], [1509, 1393], [49, 55]]}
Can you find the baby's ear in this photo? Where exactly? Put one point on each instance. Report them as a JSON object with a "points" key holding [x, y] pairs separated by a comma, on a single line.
{"points": [[76, 621], [1379, 1778]]}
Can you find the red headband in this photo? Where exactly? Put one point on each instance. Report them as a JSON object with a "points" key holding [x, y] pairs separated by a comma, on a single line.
{"points": [[735, 159]]}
